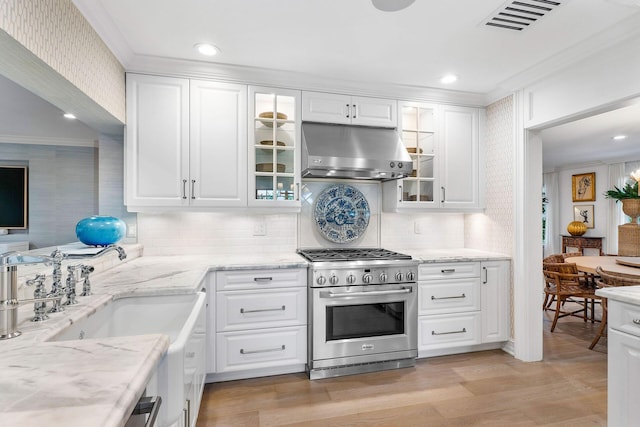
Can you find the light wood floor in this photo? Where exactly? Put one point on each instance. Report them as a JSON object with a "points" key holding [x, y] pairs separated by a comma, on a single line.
{"points": [[490, 388]]}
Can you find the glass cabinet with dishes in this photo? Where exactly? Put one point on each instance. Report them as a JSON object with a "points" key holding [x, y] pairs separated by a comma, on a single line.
{"points": [[417, 127], [274, 147], [444, 144]]}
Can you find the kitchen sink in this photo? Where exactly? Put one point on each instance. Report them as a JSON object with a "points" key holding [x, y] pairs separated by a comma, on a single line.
{"points": [[180, 374]]}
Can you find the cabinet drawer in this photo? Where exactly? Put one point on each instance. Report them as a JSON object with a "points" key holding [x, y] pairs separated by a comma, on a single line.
{"points": [[236, 351], [447, 296], [269, 308], [443, 331], [260, 279], [451, 270], [624, 317]]}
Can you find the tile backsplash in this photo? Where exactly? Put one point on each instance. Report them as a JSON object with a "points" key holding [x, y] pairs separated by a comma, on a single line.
{"points": [[233, 233]]}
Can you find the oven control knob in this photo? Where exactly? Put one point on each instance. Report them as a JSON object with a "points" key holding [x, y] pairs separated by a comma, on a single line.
{"points": [[399, 276], [367, 278], [411, 276], [321, 280], [333, 279], [351, 279], [383, 277]]}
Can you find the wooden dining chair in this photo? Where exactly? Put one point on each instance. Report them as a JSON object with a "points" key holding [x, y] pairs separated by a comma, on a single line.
{"points": [[609, 279], [563, 282]]}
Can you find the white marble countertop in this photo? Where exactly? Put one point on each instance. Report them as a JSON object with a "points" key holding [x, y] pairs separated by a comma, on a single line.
{"points": [[628, 294], [97, 382], [453, 255]]}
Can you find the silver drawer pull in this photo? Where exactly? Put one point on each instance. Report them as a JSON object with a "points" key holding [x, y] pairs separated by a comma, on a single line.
{"points": [[448, 333], [636, 321], [454, 297], [262, 279], [267, 350], [448, 270], [261, 310], [148, 405]]}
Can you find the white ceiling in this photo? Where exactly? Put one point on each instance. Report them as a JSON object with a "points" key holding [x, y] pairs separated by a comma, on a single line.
{"points": [[352, 40], [590, 140]]}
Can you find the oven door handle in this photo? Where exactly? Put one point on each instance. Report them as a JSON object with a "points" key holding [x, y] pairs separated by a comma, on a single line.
{"points": [[330, 294]]}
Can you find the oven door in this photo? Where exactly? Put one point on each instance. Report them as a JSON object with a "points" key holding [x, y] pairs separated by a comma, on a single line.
{"points": [[362, 324]]}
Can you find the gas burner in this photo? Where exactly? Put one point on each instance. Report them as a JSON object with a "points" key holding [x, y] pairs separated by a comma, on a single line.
{"points": [[351, 254]]}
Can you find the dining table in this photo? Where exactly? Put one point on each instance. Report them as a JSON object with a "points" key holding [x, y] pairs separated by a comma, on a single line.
{"points": [[611, 263]]}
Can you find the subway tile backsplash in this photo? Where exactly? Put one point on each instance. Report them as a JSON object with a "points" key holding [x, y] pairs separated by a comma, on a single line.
{"points": [[233, 233]]}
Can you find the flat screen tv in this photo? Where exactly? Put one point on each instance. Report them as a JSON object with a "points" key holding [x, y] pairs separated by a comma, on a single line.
{"points": [[14, 189]]}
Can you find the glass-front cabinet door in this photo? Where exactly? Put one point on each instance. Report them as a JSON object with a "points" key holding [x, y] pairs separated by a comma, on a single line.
{"points": [[274, 147], [417, 127]]}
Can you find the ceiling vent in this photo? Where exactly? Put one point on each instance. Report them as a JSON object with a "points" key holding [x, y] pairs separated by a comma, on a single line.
{"points": [[520, 15]]}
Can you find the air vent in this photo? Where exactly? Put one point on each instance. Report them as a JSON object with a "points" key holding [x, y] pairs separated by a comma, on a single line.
{"points": [[520, 15]]}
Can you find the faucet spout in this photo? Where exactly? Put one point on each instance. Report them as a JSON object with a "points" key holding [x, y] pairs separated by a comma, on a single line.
{"points": [[110, 248]]}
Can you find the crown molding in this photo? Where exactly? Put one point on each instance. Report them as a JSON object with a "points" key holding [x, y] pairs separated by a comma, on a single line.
{"points": [[46, 140], [290, 80]]}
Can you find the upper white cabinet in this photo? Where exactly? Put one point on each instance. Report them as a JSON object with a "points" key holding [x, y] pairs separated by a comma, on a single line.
{"points": [[274, 150], [157, 140], [458, 129], [185, 143], [345, 109], [444, 143], [218, 148]]}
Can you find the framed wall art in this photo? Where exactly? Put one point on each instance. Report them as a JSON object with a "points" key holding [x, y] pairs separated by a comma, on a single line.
{"points": [[584, 213], [583, 187]]}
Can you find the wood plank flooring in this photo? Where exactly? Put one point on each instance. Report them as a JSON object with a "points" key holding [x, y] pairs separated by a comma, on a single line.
{"points": [[490, 388]]}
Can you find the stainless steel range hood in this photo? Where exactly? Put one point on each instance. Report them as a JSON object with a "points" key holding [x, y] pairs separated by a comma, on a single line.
{"points": [[356, 152]]}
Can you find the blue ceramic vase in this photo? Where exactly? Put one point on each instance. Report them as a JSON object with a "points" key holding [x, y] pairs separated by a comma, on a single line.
{"points": [[100, 230]]}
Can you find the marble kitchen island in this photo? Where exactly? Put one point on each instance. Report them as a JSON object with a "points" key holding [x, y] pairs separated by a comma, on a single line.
{"points": [[97, 382]]}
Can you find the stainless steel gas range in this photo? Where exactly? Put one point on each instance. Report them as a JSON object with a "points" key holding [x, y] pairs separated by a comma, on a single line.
{"points": [[362, 311]]}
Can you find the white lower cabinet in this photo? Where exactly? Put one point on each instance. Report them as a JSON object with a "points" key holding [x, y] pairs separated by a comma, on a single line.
{"points": [[462, 306], [260, 323], [623, 364]]}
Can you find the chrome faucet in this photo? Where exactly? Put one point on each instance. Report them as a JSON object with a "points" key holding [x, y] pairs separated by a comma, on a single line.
{"points": [[9, 302]]}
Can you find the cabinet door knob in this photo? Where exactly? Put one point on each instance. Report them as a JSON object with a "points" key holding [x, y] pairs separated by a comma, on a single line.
{"points": [[355, 110], [193, 188], [184, 188], [348, 110]]}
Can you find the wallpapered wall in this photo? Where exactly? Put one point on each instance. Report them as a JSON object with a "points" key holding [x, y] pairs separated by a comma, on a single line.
{"points": [[57, 33], [63, 188], [493, 229]]}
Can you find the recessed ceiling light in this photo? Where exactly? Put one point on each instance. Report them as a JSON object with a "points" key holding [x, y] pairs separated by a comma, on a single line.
{"points": [[207, 49], [69, 116], [448, 79], [619, 137]]}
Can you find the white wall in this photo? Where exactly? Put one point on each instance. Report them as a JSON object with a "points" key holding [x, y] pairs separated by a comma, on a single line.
{"points": [[566, 205]]}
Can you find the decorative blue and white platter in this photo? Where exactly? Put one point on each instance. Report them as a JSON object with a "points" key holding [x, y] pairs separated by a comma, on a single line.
{"points": [[341, 213]]}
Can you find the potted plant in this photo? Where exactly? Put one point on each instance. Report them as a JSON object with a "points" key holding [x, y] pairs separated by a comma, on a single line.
{"points": [[629, 197]]}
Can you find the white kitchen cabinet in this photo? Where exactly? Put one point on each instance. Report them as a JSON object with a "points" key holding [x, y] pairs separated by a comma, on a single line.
{"points": [[346, 109], [495, 299], [458, 130], [274, 150], [624, 364], [462, 307], [261, 323], [157, 140], [218, 146], [444, 143], [185, 143]]}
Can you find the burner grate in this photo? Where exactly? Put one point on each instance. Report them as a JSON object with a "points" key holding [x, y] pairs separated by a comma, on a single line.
{"points": [[351, 254]]}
